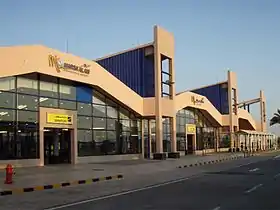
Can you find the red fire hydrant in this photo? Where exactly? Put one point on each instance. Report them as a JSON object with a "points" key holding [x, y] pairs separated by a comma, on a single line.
{"points": [[9, 174]]}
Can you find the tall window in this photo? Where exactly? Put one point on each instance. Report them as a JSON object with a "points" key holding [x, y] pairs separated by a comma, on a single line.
{"points": [[166, 77]]}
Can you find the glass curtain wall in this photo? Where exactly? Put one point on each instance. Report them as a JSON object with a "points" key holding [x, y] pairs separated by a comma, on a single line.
{"points": [[205, 131], [104, 127]]}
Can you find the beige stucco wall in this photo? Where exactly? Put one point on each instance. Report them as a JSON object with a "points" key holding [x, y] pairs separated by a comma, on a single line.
{"points": [[27, 59], [184, 100]]}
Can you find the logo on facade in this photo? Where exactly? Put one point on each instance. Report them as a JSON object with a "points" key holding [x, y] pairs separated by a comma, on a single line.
{"points": [[197, 101], [60, 65]]}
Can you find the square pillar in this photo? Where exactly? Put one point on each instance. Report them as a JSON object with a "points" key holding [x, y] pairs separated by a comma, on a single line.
{"points": [[174, 153]]}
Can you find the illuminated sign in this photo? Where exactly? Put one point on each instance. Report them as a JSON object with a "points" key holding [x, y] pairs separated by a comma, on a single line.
{"points": [[191, 129], [197, 101], [59, 119], [59, 65]]}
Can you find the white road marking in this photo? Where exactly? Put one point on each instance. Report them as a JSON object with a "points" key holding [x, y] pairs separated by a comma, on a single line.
{"points": [[246, 164], [133, 191], [118, 194], [253, 188], [255, 169], [278, 156], [277, 175], [217, 208]]}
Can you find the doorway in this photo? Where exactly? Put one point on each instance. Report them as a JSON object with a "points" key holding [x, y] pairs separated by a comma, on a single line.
{"points": [[57, 146], [190, 141]]}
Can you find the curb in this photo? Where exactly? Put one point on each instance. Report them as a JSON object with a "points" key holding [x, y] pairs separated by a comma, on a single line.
{"points": [[59, 185], [210, 162]]}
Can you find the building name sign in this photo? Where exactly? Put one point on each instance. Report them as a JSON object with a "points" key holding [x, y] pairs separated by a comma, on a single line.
{"points": [[197, 101], [59, 119], [60, 65]]}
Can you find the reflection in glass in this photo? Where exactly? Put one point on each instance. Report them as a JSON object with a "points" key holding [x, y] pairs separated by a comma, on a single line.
{"points": [[99, 136], [124, 114], [7, 84], [98, 98], [27, 102], [48, 86], [7, 139], [205, 131], [48, 102], [109, 145], [7, 116], [67, 91], [111, 124], [112, 112], [27, 116], [84, 122], [7, 100], [99, 110], [28, 84], [84, 109], [64, 104], [125, 125], [99, 123], [27, 143], [86, 146]]}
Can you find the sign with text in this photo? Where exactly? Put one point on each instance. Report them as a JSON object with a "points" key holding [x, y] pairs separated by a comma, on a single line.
{"points": [[190, 128], [59, 119], [60, 65], [197, 101]]}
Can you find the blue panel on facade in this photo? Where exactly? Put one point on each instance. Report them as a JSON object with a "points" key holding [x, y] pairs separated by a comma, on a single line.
{"points": [[217, 95], [84, 94], [134, 69]]}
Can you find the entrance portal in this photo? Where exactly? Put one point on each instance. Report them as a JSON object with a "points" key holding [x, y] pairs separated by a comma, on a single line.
{"points": [[190, 144], [57, 146]]}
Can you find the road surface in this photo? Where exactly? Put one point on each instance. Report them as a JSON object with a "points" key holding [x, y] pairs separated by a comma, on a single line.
{"points": [[245, 184], [251, 186]]}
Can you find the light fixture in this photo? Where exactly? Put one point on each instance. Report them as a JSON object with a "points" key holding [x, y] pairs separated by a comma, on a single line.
{"points": [[3, 113], [22, 106], [43, 99], [98, 128]]}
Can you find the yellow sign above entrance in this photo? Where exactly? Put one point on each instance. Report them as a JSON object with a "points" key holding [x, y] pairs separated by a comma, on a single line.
{"points": [[190, 128], [59, 119]]}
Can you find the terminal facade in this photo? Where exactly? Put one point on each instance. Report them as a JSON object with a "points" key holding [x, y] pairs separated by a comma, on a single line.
{"points": [[59, 108]]}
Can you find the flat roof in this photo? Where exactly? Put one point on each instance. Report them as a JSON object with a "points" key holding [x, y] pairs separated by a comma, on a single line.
{"points": [[124, 51], [219, 83]]}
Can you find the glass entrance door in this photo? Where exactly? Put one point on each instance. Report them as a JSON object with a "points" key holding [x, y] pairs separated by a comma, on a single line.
{"points": [[57, 146]]}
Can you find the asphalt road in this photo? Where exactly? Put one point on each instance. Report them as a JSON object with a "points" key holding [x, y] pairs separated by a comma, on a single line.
{"points": [[250, 183], [248, 186]]}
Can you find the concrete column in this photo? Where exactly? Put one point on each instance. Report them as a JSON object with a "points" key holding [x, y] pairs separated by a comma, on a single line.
{"points": [[158, 97]]}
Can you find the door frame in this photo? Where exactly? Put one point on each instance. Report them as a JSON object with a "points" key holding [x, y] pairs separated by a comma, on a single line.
{"points": [[43, 112]]}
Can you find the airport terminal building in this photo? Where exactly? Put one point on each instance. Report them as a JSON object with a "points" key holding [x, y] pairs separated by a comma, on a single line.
{"points": [[59, 108]]}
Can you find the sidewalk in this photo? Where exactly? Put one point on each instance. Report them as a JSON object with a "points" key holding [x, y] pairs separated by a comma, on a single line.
{"points": [[53, 175]]}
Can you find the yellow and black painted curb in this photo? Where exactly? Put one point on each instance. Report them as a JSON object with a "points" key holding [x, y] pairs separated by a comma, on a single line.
{"points": [[211, 162], [59, 185]]}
